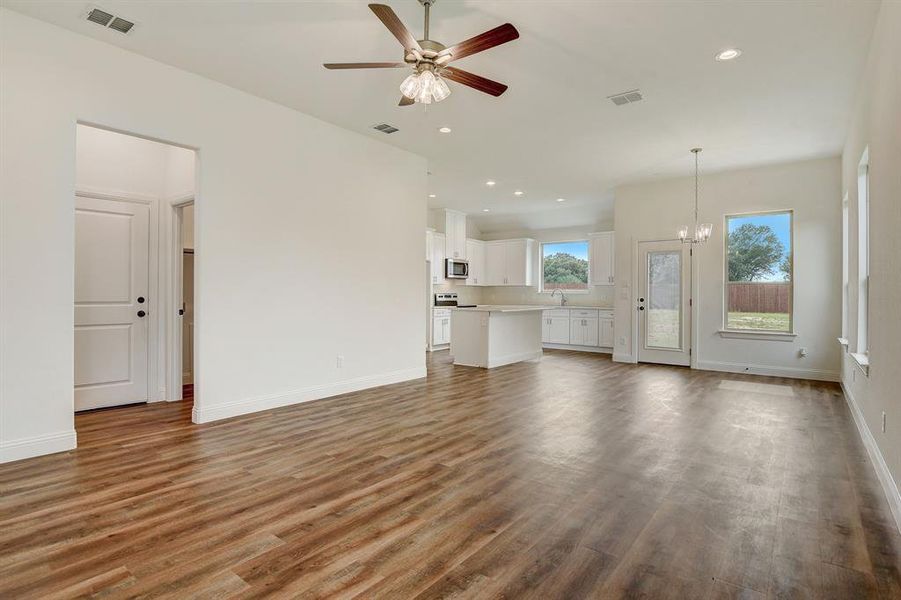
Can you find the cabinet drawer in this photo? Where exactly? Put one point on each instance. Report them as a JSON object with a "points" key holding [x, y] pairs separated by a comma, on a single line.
{"points": [[583, 313], [557, 312], [605, 314]]}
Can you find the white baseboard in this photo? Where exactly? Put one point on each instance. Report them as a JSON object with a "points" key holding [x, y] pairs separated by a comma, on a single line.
{"points": [[595, 349], [37, 446], [509, 359], [889, 487], [750, 369], [205, 414], [625, 358]]}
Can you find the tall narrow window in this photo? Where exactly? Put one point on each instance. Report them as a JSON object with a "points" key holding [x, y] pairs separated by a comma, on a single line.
{"points": [[759, 272], [863, 253], [564, 266], [845, 270]]}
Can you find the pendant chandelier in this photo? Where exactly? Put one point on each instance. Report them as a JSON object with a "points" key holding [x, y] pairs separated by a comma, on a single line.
{"points": [[702, 230]]}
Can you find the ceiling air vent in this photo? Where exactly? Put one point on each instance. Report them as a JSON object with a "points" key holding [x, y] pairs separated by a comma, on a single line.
{"points": [[385, 128], [626, 97], [120, 24], [105, 19], [100, 17]]}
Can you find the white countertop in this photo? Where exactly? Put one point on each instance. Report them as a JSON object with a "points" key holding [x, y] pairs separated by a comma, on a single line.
{"points": [[578, 306], [503, 308]]}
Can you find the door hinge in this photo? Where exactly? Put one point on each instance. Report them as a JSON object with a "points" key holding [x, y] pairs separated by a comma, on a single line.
{"points": [[689, 301]]}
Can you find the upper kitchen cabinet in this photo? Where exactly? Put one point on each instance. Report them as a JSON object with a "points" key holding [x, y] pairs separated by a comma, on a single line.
{"points": [[455, 234], [509, 262], [601, 270], [475, 255]]}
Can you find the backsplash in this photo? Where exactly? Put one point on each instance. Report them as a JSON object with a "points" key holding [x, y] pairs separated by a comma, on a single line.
{"points": [[596, 296]]}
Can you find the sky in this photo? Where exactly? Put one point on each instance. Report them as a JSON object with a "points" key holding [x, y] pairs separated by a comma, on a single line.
{"points": [[577, 249], [780, 224]]}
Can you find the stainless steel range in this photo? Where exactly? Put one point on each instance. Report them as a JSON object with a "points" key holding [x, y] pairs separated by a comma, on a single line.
{"points": [[449, 299]]}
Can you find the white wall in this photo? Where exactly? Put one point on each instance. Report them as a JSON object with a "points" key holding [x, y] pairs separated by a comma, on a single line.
{"points": [[287, 237], [654, 211], [876, 124]]}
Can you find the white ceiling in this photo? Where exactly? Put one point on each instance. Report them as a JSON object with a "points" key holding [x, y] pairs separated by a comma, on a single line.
{"points": [[554, 133]]}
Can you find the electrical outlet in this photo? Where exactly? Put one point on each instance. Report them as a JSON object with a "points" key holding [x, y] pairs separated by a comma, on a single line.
{"points": [[339, 361], [802, 352], [883, 421]]}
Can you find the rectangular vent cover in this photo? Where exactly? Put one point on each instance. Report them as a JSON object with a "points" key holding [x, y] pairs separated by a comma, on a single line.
{"points": [[105, 19], [385, 128], [626, 97]]}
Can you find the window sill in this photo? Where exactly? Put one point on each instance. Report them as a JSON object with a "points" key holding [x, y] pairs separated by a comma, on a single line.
{"points": [[863, 361], [568, 292], [758, 335]]}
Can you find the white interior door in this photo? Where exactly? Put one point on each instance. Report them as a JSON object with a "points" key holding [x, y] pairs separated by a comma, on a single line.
{"points": [[111, 302], [663, 307]]}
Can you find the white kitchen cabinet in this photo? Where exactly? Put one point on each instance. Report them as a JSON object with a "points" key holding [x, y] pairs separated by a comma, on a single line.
{"points": [[438, 269], [555, 327], [583, 331], [455, 234], [601, 266], [509, 262], [495, 263], [429, 239], [441, 318], [606, 332], [475, 254]]}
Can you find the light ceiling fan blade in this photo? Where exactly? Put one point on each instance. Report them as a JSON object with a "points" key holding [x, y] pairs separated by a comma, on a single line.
{"points": [[495, 37], [395, 26], [474, 81], [404, 101], [374, 65]]}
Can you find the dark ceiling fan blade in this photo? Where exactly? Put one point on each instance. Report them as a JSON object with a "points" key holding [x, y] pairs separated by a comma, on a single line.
{"points": [[394, 25], [474, 81], [379, 65], [495, 37], [404, 101]]}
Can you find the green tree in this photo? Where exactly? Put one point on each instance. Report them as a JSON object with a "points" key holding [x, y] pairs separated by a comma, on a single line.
{"points": [[785, 267], [565, 268], [754, 252]]}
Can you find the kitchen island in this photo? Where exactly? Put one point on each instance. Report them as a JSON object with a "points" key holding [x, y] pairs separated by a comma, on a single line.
{"points": [[491, 336]]}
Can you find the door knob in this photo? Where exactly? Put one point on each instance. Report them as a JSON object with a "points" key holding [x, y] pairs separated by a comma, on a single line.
{"points": [[641, 308], [641, 299], [141, 313], [140, 299]]}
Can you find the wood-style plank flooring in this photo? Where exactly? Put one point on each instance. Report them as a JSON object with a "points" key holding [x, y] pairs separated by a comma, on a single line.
{"points": [[574, 477]]}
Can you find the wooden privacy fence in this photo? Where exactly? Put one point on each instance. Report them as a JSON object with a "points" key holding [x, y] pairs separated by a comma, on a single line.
{"points": [[760, 297]]}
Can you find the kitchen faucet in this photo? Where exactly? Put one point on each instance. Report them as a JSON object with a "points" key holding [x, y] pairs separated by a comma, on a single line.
{"points": [[562, 296]]}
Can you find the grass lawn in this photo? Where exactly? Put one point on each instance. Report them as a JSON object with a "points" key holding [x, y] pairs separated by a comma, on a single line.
{"points": [[749, 320]]}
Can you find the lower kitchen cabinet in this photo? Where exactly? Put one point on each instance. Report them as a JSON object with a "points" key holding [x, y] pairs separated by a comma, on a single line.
{"points": [[578, 328], [555, 328], [606, 333], [583, 332], [441, 318]]}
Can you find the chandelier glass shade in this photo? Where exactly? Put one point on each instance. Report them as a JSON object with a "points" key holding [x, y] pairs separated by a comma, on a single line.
{"points": [[702, 231], [425, 87]]}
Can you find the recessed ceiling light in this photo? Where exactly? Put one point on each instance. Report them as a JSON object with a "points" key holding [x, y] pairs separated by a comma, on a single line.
{"points": [[728, 54], [490, 183], [518, 193], [432, 196], [561, 199], [486, 210], [444, 129]]}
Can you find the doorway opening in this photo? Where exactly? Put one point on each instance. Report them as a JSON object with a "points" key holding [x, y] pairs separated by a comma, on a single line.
{"points": [[664, 302], [129, 190]]}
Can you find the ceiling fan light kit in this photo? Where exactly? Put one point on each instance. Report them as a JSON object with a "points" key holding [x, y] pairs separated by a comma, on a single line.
{"points": [[429, 59]]}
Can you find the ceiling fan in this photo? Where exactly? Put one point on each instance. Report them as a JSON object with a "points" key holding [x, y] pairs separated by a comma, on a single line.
{"points": [[429, 59]]}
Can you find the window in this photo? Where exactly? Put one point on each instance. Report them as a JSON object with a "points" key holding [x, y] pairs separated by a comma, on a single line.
{"points": [[863, 253], [845, 276], [759, 269], [564, 266]]}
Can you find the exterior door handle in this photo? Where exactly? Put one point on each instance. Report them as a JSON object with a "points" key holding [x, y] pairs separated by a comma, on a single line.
{"points": [[141, 313], [140, 299], [641, 308]]}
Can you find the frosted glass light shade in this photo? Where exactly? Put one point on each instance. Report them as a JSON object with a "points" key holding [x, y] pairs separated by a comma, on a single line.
{"points": [[410, 86], [683, 233], [440, 91], [703, 231]]}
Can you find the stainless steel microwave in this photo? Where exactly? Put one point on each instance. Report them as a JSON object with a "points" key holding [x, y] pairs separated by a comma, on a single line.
{"points": [[456, 269]]}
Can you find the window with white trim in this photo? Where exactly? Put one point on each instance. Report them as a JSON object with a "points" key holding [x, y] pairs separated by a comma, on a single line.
{"points": [[564, 266], [845, 270], [759, 267], [863, 253]]}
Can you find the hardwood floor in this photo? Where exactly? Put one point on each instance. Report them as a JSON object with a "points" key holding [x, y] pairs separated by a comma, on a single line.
{"points": [[575, 477]]}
